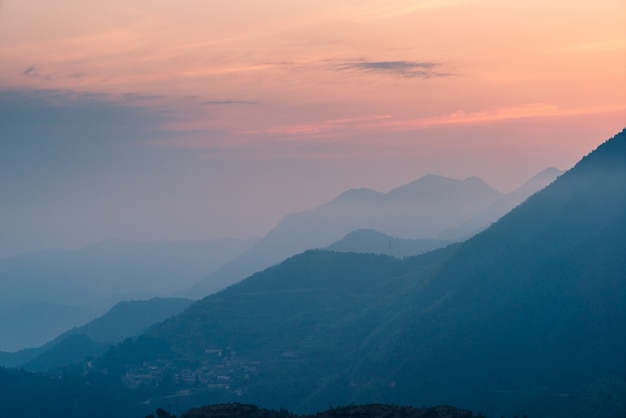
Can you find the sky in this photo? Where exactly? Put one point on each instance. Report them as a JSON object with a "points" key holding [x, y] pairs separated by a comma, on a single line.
{"points": [[198, 119]]}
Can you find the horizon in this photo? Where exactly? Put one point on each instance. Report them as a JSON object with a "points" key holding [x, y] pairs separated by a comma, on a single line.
{"points": [[258, 237], [150, 121]]}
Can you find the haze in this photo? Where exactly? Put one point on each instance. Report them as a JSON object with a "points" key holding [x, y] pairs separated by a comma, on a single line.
{"points": [[152, 120]]}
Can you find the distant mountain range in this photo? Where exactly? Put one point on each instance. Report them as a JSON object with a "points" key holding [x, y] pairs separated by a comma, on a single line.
{"points": [[501, 206], [124, 320], [47, 292], [432, 207], [525, 318]]}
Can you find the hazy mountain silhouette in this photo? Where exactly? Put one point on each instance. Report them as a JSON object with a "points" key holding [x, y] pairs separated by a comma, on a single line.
{"points": [[34, 324], [47, 292], [501, 206], [526, 317], [420, 209], [124, 320], [374, 242], [13, 243]]}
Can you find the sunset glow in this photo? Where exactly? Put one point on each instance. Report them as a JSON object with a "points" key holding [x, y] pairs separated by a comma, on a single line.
{"points": [[295, 95]]}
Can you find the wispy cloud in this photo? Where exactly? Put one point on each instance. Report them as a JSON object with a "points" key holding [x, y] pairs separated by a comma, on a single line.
{"points": [[35, 72], [29, 71], [229, 102], [531, 110], [406, 69], [331, 127], [527, 111], [81, 115], [345, 127]]}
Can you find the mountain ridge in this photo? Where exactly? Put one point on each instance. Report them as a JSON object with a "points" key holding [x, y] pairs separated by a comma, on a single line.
{"points": [[124, 320], [423, 208], [505, 322], [374, 242], [83, 284]]}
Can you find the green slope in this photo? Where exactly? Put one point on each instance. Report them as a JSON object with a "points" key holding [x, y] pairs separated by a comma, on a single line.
{"points": [[370, 241]]}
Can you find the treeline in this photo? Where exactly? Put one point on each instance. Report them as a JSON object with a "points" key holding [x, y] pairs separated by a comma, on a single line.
{"points": [[238, 410]]}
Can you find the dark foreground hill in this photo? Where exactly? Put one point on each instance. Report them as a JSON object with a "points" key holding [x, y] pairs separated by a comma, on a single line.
{"points": [[236, 410], [370, 241], [529, 312], [527, 317], [30, 395]]}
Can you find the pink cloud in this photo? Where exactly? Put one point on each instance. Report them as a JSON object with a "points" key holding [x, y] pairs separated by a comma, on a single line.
{"points": [[327, 127], [343, 126], [533, 110]]}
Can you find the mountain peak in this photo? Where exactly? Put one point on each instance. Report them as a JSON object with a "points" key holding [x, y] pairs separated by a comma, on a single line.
{"points": [[433, 185], [535, 183], [358, 195], [549, 172], [611, 153], [476, 182]]}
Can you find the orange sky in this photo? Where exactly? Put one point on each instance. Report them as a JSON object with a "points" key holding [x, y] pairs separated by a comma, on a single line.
{"points": [[477, 86], [309, 62]]}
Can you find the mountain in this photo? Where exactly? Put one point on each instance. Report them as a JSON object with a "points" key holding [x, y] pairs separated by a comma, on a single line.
{"points": [[47, 292], [33, 324], [236, 410], [531, 307], [374, 242], [526, 317], [73, 349], [124, 320], [129, 318], [31, 395], [111, 269], [420, 209], [501, 206], [301, 318], [13, 243]]}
